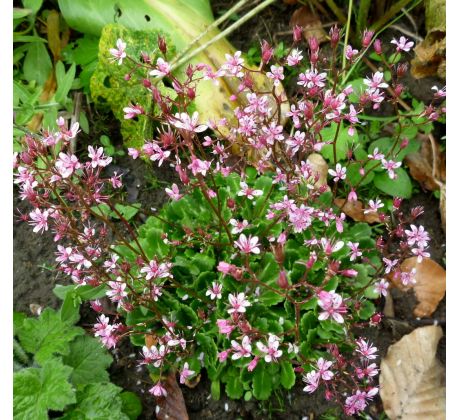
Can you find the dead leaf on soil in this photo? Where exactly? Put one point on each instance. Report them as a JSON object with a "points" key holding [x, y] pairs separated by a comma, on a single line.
{"points": [[430, 55], [412, 380], [172, 407], [355, 210], [310, 23], [428, 170], [430, 287], [320, 166]]}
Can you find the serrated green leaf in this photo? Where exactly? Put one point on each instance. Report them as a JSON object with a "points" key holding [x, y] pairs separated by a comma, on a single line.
{"points": [[18, 320], [287, 375], [89, 361], [307, 322], [96, 402], [47, 335], [70, 309], [233, 387], [131, 405], [86, 292], [37, 390], [262, 382]]}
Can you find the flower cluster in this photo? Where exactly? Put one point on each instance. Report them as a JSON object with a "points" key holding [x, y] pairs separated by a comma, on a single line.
{"points": [[252, 266]]}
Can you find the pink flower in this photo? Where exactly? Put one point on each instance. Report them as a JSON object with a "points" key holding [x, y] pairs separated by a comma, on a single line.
{"points": [[119, 52], [376, 82], [248, 245], [311, 79], [67, 164], [403, 44], [389, 264], [215, 291], [294, 57], [374, 206], [238, 303], [158, 390], [417, 235], [408, 277], [241, 350], [323, 369], [350, 52], [199, 166], [439, 93], [276, 74], [368, 371], [238, 226], [339, 173], [173, 192], [382, 287], [376, 155], [390, 166], [39, 219], [233, 65], [312, 380], [333, 306], [225, 327], [249, 192], [163, 68], [97, 157], [366, 350], [272, 352], [185, 373], [133, 111], [420, 253], [156, 271], [117, 292], [252, 365], [134, 153], [355, 251], [223, 355]]}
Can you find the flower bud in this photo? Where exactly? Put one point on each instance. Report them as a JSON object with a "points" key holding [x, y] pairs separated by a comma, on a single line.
{"points": [[349, 272], [376, 318], [334, 34], [162, 44], [367, 38], [267, 52], [297, 33], [282, 280], [147, 83], [127, 77], [299, 369], [26, 158], [378, 46], [404, 143], [397, 202], [313, 44], [96, 305], [231, 204], [191, 93], [279, 254], [352, 196], [398, 90], [401, 70], [362, 171]]}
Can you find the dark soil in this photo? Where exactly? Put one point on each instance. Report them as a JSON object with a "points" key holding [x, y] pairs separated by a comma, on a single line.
{"points": [[34, 278]]}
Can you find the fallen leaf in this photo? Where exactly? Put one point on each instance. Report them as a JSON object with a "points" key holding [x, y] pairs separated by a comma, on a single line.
{"points": [[172, 407], [193, 382], [442, 206], [412, 380], [355, 210], [310, 23], [430, 54], [320, 166], [430, 286], [428, 170]]}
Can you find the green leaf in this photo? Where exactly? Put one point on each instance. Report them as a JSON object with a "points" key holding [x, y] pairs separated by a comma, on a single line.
{"points": [[89, 361], [86, 292], [70, 309], [98, 401], [367, 310], [33, 5], [215, 390], [287, 375], [400, 187], [20, 13], [186, 316], [37, 390], [360, 231], [18, 321], [307, 322], [233, 387], [64, 82], [128, 212], [343, 142], [131, 405], [37, 64], [47, 335], [262, 382]]}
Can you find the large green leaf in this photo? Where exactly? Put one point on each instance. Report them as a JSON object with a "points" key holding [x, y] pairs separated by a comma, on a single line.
{"points": [[89, 361], [399, 187], [37, 390], [262, 382], [287, 375], [47, 335], [343, 142], [37, 64]]}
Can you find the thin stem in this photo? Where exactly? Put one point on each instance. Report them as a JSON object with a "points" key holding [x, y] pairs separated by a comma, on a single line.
{"points": [[347, 33]]}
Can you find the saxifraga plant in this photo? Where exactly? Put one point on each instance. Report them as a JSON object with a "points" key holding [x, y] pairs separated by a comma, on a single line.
{"points": [[250, 271]]}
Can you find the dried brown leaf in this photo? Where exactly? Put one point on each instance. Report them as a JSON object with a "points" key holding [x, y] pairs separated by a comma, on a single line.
{"points": [[310, 23], [172, 407], [355, 210], [412, 380], [54, 39], [442, 206], [430, 286]]}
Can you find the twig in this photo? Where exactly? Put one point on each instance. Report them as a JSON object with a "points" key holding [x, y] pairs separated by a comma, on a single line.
{"points": [[75, 118], [347, 34], [390, 13], [406, 32]]}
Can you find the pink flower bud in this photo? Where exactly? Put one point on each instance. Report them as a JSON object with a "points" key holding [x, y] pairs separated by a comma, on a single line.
{"points": [[297, 33], [267, 52], [349, 272], [352, 196], [253, 364], [397, 202], [162, 44], [367, 38], [127, 77], [398, 90], [96, 305], [147, 83], [223, 355], [334, 34], [362, 171], [376, 318], [282, 280], [404, 143], [401, 70], [299, 369], [231, 203], [378, 46], [313, 44]]}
